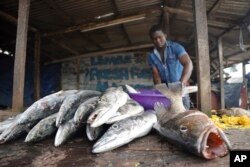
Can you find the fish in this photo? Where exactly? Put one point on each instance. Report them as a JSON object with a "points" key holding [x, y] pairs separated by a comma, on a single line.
{"points": [[43, 129], [94, 133], [131, 89], [107, 106], [71, 103], [84, 110], [65, 131], [124, 131], [174, 93], [44, 107], [129, 109], [6, 123], [192, 131], [14, 131], [233, 112]]}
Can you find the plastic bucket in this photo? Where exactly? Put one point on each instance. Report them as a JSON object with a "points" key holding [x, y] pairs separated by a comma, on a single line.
{"points": [[147, 98]]}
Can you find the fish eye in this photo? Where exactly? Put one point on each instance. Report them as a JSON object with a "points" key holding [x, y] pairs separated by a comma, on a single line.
{"points": [[183, 128], [115, 126]]}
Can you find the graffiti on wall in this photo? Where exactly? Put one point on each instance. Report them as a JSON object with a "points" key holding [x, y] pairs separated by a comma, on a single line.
{"points": [[105, 71]]}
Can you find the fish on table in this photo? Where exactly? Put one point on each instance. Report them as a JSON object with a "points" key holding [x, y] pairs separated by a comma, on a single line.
{"points": [[71, 103], [66, 131], [42, 108], [6, 123], [234, 111], [94, 133], [131, 108], [124, 131], [83, 111], [192, 131], [43, 129], [108, 104]]}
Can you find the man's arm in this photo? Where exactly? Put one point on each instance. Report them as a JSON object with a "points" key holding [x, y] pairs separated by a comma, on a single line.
{"points": [[156, 76], [187, 68]]}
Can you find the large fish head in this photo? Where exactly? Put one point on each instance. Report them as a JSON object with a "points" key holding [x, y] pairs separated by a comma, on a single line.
{"points": [[194, 131]]}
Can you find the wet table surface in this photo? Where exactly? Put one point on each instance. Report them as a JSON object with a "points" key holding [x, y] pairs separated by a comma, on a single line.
{"points": [[151, 150]]}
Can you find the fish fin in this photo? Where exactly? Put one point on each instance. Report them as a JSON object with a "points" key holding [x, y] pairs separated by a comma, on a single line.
{"points": [[131, 89], [174, 89], [163, 114]]}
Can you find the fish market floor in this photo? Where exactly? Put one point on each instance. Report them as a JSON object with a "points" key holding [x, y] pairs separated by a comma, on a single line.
{"points": [[151, 150]]}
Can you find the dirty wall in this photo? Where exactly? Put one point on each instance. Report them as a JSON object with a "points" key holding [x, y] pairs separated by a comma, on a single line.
{"points": [[101, 72]]}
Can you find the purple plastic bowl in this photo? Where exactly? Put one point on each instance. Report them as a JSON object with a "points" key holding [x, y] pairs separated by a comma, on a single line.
{"points": [[147, 98]]}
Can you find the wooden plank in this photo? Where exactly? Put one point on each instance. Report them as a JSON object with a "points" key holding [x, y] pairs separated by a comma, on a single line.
{"points": [[93, 26], [202, 54], [13, 20], [109, 51], [78, 74], [222, 90], [166, 22], [177, 11], [123, 28], [64, 47], [37, 66], [20, 55], [215, 6], [238, 23]]}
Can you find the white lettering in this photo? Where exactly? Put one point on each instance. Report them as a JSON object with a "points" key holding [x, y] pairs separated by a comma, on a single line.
{"points": [[240, 158]]}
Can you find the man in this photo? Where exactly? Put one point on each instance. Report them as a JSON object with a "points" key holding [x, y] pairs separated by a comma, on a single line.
{"points": [[169, 61]]}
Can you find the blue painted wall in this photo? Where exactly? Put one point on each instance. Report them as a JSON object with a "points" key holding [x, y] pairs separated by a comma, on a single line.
{"points": [[50, 80]]}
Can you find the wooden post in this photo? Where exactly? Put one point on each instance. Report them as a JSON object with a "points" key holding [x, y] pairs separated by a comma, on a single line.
{"points": [[222, 91], [37, 67], [244, 73], [78, 74], [202, 54], [20, 56], [165, 23]]}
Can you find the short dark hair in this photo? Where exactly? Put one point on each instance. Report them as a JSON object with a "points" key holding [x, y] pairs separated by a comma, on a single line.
{"points": [[154, 28]]}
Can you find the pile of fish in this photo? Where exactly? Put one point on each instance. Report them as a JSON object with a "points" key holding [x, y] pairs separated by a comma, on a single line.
{"points": [[64, 113]]}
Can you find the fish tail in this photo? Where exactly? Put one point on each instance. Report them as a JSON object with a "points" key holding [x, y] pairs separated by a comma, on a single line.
{"points": [[174, 89]]}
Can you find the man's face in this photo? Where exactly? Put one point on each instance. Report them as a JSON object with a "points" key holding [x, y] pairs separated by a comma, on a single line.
{"points": [[159, 39]]}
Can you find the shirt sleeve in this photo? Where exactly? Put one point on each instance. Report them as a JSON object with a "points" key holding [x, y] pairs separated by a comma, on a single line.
{"points": [[179, 50]]}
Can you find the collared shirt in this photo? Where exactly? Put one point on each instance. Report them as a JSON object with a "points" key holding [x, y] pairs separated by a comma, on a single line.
{"points": [[170, 69]]}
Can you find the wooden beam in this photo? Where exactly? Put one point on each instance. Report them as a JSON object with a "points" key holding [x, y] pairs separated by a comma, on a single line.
{"points": [[64, 46], [215, 6], [37, 85], [222, 90], [93, 26], [210, 23], [123, 28], [58, 11], [238, 23], [109, 51], [13, 20], [177, 11], [202, 54], [20, 56]]}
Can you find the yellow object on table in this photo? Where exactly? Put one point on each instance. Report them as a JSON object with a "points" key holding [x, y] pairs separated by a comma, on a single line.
{"points": [[226, 122]]}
